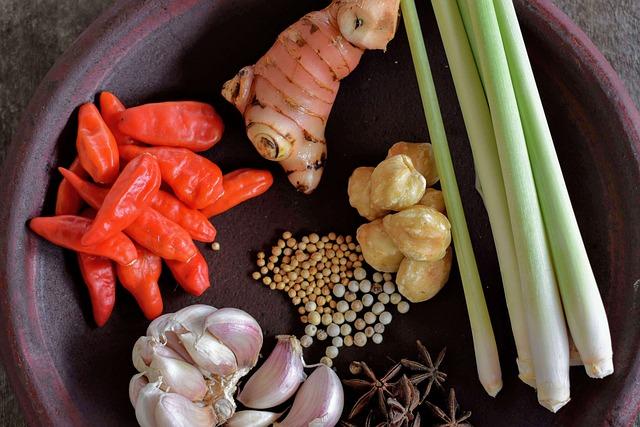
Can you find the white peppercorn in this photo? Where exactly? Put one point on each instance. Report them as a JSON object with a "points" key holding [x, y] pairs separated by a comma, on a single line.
{"points": [[395, 298], [385, 318], [347, 341], [345, 330], [389, 288], [321, 335], [365, 286], [403, 307], [338, 318], [314, 318], [338, 290], [367, 300], [359, 273], [342, 306], [354, 286], [360, 324], [377, 308], [357, 306], [376, 288], [333, 330], [377, 338], [310, 330], [360, 339], [337, 341], [350, 296], [368, 331], [326, 319], [383, 298], [387, 277], [306, 341], [377, 277], [370, 318], [379, 328], [332, 351], [326, 361], [310, 306], [350, 316]]}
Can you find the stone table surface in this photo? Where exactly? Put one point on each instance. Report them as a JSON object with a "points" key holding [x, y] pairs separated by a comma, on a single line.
{"points": [[34, 33]]}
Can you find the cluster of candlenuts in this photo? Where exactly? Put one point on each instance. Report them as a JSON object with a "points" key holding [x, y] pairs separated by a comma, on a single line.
{"points": [[408, 232]]}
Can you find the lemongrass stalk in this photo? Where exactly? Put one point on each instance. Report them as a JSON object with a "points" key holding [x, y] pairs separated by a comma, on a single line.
{"points": [[581, 299], [463, 7], [545, 320], [484, 343], [477, 119]]}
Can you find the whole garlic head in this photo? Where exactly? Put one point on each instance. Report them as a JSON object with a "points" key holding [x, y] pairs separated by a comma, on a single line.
{"points": [[378, 249], [421, 154], [420, 233], [433, 199], [421, 280], [189, 375], [396, 184], [359, 190]]}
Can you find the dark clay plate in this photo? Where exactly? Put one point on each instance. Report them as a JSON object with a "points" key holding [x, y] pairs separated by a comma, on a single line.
{"points": [[67, 372]]}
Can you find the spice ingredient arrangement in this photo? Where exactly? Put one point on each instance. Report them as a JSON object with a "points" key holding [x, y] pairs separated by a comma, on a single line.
{"points": [[139, 193]]}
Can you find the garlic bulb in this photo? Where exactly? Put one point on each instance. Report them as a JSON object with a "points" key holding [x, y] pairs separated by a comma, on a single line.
{"points": [[319, 402], [253, 418], [189, 368], [278, 378], [238, 331]]}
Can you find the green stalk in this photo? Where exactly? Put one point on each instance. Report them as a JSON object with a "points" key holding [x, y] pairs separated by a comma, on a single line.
{"points": [[484, 343], [583, 305], [545, 320], [477, 119], [463, 6]]}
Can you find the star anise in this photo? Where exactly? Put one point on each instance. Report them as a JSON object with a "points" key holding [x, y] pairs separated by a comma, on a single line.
{"points": [[450, 419], [382, 388], [429, 371], [403, 405]]}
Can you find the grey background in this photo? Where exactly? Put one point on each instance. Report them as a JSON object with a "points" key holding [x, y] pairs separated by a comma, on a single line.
{"points": [[33, 33]]}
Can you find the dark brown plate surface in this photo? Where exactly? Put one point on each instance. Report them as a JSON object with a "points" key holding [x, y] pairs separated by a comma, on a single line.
{"points": [[67, 372]]}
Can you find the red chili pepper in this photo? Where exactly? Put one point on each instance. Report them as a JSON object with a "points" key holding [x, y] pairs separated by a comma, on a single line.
{"points": [[97, 149], [67, 231], [194, 179], [240, 186], [68, 202], [141, 279], [192, 220], [111, 109], [150, 229], [100, 277], [187, 124], [193, 275], [133, 191]]}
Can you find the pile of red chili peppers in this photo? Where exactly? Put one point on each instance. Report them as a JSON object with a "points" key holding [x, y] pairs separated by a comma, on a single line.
{"points": [[129, 224]]}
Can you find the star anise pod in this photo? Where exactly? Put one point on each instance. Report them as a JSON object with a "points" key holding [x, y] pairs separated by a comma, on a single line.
{"points": [[403, 405], [428, 371], [450, 419], [379, 387]]}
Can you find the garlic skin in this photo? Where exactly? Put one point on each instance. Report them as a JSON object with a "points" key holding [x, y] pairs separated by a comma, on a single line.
{"points": [[178, 376], [253, 419], [136, 384], [278, 378], [319, 403], [174, 410], [146, 403], [240, 332]]}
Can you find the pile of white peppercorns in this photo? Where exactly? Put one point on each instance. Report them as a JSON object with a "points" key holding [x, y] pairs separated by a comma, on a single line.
{"points": [[325, 278]]}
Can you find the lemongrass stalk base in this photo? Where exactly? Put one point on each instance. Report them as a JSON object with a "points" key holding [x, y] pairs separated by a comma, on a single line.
{"points": [[600, 368], [552, 397], [526, 372]]}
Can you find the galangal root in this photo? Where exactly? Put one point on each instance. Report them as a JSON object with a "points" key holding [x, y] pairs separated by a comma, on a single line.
{"points": [[286, 97]]}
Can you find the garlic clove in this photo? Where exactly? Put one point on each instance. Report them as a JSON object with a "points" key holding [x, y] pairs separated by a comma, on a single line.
{"points": [[145, 348], [240, 332], [278, 378], [178, 376], [146, 403], [174, 410], [319, 402], [251, 418], [192, 318], [138, 381], [209, 354]]}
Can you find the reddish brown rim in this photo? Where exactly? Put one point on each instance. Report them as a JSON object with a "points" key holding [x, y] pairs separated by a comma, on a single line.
{"points": [[42, 395]]}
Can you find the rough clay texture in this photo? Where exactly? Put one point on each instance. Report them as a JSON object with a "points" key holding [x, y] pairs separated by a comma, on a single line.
{"points": [[34, 33]]}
